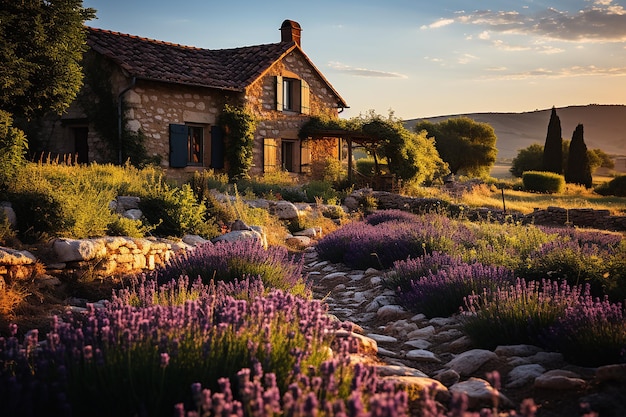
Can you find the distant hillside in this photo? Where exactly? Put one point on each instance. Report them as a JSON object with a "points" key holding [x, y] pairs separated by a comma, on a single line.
{"points": [[605, 127]]}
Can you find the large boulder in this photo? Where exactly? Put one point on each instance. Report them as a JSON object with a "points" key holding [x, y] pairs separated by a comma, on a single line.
{"points": [[72, 250], [286, 210]]}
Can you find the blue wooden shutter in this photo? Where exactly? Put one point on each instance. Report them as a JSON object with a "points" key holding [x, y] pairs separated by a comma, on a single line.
{"points": [[178, 146], [217, 147], [279, 92], [304, 97]]}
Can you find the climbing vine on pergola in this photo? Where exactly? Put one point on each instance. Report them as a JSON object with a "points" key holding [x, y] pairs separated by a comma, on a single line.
{"points": [[409, 156]]}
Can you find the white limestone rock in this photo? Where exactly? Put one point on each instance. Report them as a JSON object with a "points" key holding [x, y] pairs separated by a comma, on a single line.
{"points": [[194, 240], [468, 362], [13, 257], [390, 312], [422, 355], [517, 350], [480, 393], [381, 338], [399, 370], [559, 379], [423, 333], [72, 250], [285, 210], [524, 374]]}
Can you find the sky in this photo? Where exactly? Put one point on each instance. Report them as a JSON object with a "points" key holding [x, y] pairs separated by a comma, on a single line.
{"points": [[416, 58]]}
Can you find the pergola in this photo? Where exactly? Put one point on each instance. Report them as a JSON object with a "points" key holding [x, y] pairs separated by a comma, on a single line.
{"points": [[351, 137]]}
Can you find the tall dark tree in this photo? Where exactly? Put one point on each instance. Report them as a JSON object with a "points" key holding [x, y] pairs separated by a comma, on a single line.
{"points": [[578, 168], [553, 148], [469, 147], [41, 47]]}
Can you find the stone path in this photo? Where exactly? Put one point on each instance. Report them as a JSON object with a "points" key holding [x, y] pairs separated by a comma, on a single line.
{"points": [[415, 351]]}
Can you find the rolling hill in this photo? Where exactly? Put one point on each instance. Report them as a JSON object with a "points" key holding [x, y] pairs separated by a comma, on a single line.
{"points": [[605, 127]]}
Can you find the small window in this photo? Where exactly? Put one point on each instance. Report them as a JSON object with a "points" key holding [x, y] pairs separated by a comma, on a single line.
{"points": [[288, 94], [292, 95], [195, 145], [287, 156], [186, 145]]}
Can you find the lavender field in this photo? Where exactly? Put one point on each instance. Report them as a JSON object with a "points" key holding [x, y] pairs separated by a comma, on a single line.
{"points": [[232, 329]]}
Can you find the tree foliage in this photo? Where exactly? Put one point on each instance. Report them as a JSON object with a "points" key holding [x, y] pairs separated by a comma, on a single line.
{"points": [[411, 157], [469, 147], [578, 170], [13, 147], [553, 148], [41, 46], [530, 159], [527, 159]]}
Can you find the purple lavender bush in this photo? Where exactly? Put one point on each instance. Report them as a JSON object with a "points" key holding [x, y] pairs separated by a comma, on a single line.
{"points": [[382, 216], [363, 245], [441, 293], [517, 314], [227, 261], [146, 357], [590, 333]]}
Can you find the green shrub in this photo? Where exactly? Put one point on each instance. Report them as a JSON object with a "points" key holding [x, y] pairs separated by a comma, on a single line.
{"points": [[616, 187], [13, 147], [367, 167], [323, 190], [39, 215], [175, 211], [122, 226], [204, 181], [543, 182]]}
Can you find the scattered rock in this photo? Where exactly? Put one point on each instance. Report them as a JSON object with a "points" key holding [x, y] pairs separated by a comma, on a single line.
{"points": [[480, 393], [468, 362]]}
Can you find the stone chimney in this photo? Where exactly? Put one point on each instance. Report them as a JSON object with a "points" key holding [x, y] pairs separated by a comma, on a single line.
{"points": [[290, 32]]}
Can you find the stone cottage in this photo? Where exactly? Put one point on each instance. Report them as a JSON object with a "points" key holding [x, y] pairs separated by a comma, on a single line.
{"points": [[173, 95]]}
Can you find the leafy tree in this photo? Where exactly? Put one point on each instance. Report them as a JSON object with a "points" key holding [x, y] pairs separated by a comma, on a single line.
{"points": [[553, 148], [599, 159], [469, 147], [530, 159], [527, 159], [410, 156], [41, 46], [578, 169], [13, 147]]}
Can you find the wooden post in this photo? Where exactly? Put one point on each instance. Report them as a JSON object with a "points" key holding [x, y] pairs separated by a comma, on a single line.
{"points": [[349, 159]]}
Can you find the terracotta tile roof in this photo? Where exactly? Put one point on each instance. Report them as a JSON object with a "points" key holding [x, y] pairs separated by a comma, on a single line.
{"points": [[230, 69]]}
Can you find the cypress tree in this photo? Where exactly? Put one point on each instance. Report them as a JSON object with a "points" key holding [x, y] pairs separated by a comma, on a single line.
{"points": [[578, 168], [553, 148]]}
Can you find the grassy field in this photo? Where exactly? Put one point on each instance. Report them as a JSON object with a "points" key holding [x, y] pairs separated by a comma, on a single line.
{"points": [[524, 202]]}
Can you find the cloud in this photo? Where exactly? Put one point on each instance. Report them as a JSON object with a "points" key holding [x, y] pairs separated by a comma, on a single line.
{"points": [[500, 44], [466, 59], [602, 21], [364, 72], [575, 71], [439, 24]]}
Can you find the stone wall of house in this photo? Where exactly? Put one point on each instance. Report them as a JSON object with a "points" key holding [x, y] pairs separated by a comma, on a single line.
{"points": [[152, 107], [261, 99]]}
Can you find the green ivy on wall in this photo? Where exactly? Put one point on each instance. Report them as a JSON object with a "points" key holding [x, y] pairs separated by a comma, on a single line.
{"points": [[239, 125], [100, 105]]}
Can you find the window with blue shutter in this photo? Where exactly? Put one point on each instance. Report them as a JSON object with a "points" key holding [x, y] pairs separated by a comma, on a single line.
{"points": [[217, 147], [178, 146]]}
